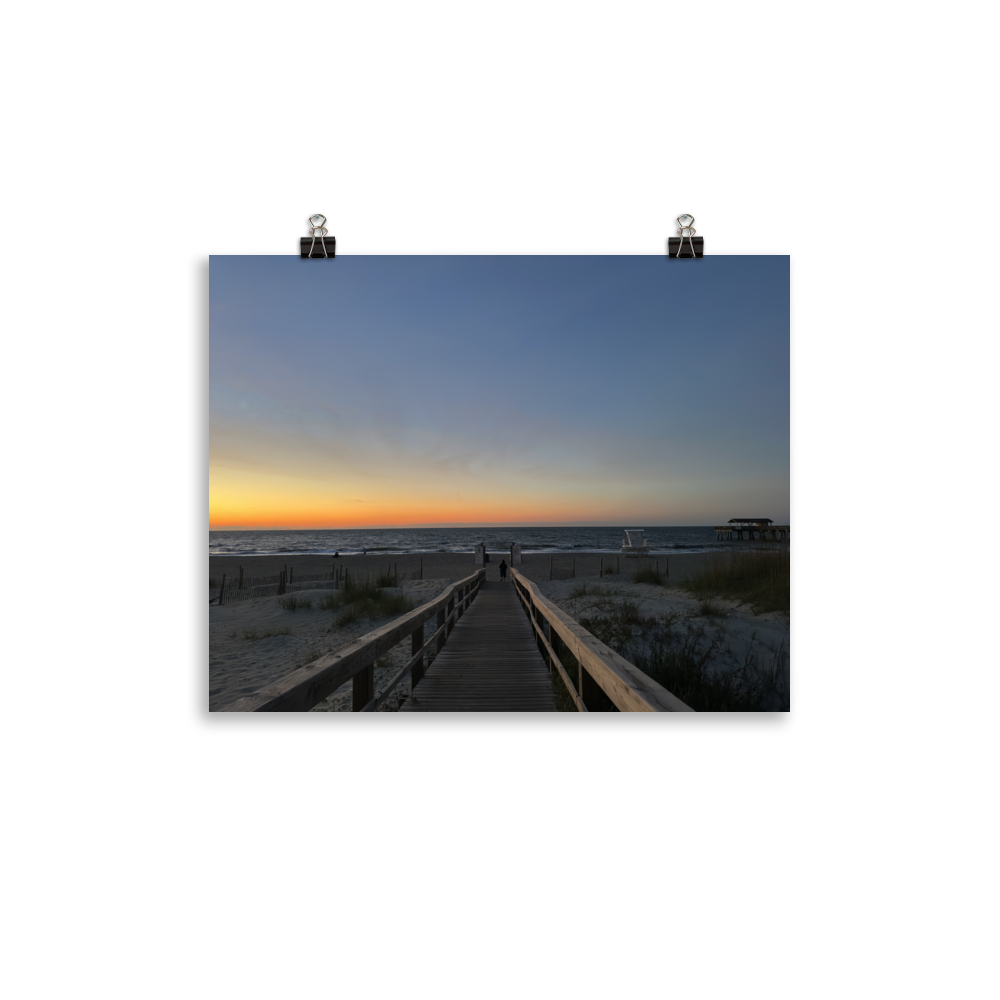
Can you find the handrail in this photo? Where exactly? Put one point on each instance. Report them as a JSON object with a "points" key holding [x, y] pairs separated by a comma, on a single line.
{"points": [[303, 688], [554, 658], [377, 703], [624, 683]]}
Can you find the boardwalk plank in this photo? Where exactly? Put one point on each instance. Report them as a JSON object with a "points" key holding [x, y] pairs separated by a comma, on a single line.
{"points": [[490, 662]]}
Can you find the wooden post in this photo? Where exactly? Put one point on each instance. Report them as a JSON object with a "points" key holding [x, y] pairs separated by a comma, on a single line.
{"points": [[550, 567], [364, 687], [588, 688], [395, 572], [602, 566], [291, 575], [441, 638], [574, 567], [222, 589], [668, 566], [451, 608], [619, 561], [416, 641], [240, 587]]}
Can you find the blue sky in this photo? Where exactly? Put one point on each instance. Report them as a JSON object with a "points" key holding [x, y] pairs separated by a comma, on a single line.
{"points": [[473, 389]]}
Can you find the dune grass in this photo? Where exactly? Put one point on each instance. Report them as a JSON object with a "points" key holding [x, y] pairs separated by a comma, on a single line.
{"points": [[648, 573], [365, 597], [759, 577], [708, 608], [295, 603], [681, 656], [252, 635]]}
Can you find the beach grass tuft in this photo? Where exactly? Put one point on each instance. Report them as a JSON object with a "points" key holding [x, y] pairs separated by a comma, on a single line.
{"points": [[759, 577], [295, 603], [252, 635], [708, 608], [365, 597], [648, 573]]}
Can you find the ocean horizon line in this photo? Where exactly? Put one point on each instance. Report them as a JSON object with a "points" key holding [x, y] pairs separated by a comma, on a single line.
{"points": [[480, 524]]}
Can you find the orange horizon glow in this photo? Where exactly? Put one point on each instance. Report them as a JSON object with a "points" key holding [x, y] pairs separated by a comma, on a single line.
{"points": [[401, 515]]}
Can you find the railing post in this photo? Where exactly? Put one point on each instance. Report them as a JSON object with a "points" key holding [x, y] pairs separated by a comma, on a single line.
{"points": [[416, 641], [441, 638], [542, 624], [589, 688], [364, 687], [450, 619]]}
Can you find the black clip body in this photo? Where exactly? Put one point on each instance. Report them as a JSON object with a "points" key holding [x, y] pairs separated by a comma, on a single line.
{"points": [[327, 247], [695, 244]]}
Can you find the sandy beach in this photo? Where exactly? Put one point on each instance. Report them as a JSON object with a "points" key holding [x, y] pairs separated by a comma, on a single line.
{"points": [[253, 643]]}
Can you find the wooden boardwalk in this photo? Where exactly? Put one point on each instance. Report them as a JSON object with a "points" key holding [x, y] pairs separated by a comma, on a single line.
{"points": [[490, 662]]}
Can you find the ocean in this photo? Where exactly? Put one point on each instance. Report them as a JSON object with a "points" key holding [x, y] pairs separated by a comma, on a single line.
{"points": [[398, 541]]}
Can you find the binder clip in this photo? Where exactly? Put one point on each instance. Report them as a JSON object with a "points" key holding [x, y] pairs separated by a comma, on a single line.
{"points": [[307, 246], [696, 244]]}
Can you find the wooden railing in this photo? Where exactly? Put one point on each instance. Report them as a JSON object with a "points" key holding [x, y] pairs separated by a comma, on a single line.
{"points": [[625, 684], [309, 685]]}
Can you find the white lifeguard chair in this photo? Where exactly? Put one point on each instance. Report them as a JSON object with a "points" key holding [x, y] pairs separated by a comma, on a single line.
{"points": [[634, 544]]}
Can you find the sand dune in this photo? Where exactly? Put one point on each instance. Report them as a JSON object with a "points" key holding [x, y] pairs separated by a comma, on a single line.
{"points": [[253, 643]]}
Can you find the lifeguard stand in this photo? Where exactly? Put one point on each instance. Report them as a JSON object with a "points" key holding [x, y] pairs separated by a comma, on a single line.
{"points": [[634, 544]]}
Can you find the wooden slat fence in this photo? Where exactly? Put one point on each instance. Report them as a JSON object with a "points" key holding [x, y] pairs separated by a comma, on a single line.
{"points": [[624, 683], [303, 688], [245, 588]]}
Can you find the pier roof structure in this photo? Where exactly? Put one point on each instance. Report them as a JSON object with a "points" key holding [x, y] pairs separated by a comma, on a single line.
{"points": [[750, 520]]}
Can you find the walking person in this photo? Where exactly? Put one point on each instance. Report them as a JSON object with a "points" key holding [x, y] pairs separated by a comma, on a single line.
{"points": [[503, 570]]}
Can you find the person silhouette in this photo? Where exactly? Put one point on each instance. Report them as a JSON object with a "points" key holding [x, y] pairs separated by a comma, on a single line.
{"points": [[503, 570]]}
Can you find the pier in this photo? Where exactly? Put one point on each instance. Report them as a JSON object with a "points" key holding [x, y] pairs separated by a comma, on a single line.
{"points": [[751, 529]]}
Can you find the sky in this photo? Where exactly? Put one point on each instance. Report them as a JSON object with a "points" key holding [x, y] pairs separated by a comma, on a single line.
{"points": [[405, 390]]}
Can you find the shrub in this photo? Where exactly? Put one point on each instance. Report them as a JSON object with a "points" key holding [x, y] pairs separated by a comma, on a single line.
{"points": [[684, 670]]}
